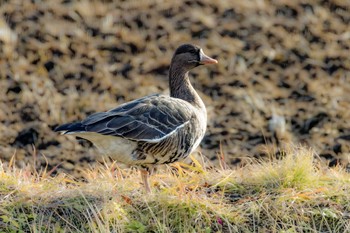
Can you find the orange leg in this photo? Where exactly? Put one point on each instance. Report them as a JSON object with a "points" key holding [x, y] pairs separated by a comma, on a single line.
{"points": [[144, 177]]}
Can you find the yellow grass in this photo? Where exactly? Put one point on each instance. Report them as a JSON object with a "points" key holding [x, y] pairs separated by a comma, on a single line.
{"points": [[294, 194]]}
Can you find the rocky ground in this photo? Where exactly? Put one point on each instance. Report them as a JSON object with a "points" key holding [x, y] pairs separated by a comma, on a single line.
{"points": [[283, 74]]}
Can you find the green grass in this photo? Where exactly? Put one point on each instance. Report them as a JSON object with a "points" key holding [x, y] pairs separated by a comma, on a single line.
{"points": [[293, 194]]}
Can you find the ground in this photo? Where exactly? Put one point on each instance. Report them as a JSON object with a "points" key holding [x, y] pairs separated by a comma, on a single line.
{"points": [[282, 78], [294, 194]]}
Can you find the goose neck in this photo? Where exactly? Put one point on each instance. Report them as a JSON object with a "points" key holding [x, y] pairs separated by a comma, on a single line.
{"points": [[181, 87]]}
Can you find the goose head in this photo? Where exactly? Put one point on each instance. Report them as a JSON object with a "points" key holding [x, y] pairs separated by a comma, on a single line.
{"points": [[188, 56]]}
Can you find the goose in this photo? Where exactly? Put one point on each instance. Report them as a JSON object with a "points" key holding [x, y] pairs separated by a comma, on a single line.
{"points": [[156, 129]]}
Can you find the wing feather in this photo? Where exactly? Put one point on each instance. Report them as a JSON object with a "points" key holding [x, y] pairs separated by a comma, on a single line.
{"points": [[149, 119]]}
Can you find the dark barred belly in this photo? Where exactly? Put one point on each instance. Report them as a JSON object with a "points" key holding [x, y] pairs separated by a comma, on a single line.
{"points": [[174, 148]]}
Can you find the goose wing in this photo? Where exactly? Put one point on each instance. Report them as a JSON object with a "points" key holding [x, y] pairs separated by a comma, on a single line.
{"points": [[151, 119]]}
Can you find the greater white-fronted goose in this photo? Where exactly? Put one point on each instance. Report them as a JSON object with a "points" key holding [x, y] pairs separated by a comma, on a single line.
{"points": [[155, 129]]}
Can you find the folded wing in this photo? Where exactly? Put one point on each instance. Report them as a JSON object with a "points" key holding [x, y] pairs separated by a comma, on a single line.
{"points": [[150, 119]]}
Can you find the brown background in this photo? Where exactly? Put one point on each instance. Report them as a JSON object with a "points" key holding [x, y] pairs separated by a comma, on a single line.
{"points": [[283, 73]]}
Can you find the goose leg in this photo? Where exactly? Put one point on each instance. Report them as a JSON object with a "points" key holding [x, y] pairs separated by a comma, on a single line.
{"points": [[144, 177]]}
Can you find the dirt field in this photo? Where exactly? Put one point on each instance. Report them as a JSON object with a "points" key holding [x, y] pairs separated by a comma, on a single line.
{"points": [[283, 74]]}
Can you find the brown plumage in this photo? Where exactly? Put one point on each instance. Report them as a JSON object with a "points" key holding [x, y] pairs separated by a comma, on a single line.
{"points": [[156, 129]]}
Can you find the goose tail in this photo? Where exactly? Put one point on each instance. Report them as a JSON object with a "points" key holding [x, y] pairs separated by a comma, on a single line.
{"points": [[71, 128]]}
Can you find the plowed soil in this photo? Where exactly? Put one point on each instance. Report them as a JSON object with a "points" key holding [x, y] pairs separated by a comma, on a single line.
{"points": [[283, 74]]}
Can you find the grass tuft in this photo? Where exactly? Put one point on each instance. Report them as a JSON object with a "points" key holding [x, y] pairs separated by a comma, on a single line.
{"points": [[297, 169]]}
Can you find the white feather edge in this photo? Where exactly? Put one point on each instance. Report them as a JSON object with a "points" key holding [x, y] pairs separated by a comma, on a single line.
{"points": [[81, 134]]}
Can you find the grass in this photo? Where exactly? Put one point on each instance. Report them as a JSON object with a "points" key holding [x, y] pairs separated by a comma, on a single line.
{"points": [[292, 194]]}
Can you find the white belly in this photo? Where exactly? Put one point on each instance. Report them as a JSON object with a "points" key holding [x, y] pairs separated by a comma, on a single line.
{"points": [[117, 148]]}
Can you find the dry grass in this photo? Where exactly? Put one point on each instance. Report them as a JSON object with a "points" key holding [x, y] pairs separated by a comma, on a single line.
{"points": [[283, 70], [293, 194]]}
